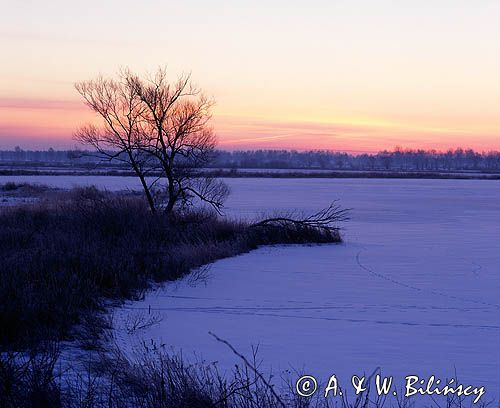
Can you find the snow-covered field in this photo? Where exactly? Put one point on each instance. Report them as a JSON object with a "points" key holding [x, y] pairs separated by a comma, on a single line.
{"points": [[415, 288]]}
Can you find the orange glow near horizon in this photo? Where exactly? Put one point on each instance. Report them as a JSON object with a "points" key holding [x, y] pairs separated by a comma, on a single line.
{"points": [[347, 76], [39, 125]]}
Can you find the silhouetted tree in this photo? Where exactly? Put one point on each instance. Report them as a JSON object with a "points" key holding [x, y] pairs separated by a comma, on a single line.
{"points": [[155, 126]]}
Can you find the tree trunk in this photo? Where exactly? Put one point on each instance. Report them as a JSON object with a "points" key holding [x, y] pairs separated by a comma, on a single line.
{"points": [[148, 194], [172, 198]]}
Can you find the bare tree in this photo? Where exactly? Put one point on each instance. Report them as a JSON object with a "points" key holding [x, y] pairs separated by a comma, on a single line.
{"points": [[158, 127], [120, 137], [180, 139]]}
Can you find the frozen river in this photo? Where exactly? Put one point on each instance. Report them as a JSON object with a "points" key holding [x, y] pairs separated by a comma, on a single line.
{"points": [[415, 288]]}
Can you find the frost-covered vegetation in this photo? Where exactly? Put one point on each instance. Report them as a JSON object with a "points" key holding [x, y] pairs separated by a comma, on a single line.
{"points": [[62, 255], [396, 160], [68, 254]]}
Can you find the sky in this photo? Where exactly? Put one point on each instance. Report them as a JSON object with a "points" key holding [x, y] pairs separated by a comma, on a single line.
{"points": [[345, 75]]}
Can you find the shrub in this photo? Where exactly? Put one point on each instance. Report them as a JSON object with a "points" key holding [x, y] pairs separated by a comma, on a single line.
{"points": [[10, 186], [61, 258], [28, 379]]}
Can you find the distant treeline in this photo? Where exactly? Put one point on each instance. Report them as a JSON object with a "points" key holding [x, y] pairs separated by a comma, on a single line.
{"points": [[405, 160], [47, 156], [397, 160]]}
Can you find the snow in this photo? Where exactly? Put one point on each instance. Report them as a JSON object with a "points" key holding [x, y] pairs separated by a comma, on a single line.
{"points": [[7, 201], [415, 288], [111, 183]]}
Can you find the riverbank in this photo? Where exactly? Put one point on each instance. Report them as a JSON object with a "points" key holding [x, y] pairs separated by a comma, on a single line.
{"points": [[67, 255], [65, 252], [259, 173]]}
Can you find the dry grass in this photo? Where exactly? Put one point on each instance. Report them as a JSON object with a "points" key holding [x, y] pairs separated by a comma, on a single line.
{"points": [[67, 255], [62, 256]]}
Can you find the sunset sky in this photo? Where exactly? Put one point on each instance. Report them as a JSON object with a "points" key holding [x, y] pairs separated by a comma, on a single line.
{"points": [[348, 75]]}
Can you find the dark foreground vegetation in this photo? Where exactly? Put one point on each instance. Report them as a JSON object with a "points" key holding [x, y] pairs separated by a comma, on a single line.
{"points": [[69, 254], [62, 256], [155, 379], [66, 256]]}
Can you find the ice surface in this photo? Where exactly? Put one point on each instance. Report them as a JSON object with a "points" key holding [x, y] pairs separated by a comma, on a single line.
{"points": [[415, 288]]}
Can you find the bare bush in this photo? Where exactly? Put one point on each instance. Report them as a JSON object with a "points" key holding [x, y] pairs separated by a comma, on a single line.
{"points": [[60, 259], [28, 379], [326, 223]]}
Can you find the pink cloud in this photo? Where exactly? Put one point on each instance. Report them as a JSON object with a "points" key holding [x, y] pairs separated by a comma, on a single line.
{"points": [[30, 103], [36, 121]]}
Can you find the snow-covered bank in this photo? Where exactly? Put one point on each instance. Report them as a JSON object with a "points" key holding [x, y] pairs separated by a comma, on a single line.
{"points": [[414, 290]]}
